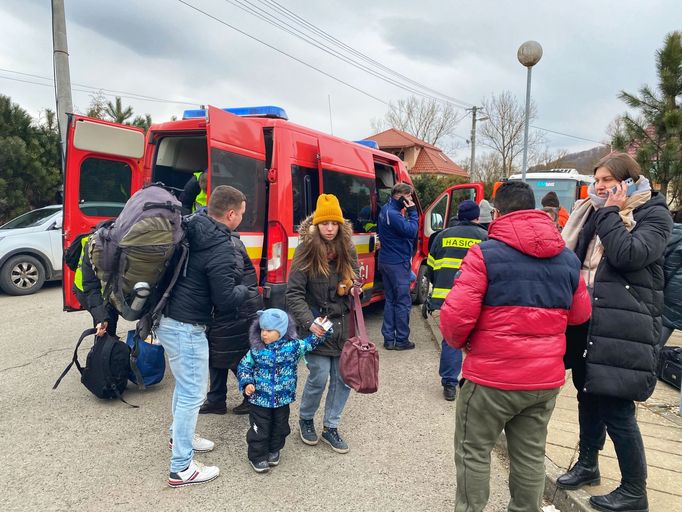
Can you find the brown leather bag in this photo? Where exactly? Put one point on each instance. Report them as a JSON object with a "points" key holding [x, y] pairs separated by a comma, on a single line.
{"points": [[359, 363]]}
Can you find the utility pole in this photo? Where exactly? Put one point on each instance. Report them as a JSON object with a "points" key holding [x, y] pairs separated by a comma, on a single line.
{"points": [[472, 164], [62, 76]]}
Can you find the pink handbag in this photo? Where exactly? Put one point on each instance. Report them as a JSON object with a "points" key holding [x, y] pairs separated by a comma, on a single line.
{"points": [[359, 363]]}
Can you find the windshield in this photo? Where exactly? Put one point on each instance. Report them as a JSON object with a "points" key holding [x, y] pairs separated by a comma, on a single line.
{"points": [[30, 219], [564, 189]]}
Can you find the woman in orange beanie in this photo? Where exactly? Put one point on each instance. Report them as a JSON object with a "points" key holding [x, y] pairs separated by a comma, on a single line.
{"points": [[323, 270]]}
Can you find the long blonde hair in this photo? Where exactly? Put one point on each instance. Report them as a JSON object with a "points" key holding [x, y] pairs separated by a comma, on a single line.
{"points": [[311, 254]]}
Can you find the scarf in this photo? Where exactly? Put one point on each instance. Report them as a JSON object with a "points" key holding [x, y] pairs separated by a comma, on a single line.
{"points": [[582, 210]]}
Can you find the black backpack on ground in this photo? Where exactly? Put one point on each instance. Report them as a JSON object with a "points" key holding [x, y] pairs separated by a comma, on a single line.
{"points": [[106, 368], [670, 366]]}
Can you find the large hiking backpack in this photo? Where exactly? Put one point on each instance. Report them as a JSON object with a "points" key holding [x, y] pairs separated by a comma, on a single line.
{"points": [[106, 368], [138, 247]]}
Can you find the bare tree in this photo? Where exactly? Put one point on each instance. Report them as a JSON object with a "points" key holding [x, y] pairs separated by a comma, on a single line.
{"points": [[98, 106], [503, 131], [545, 158], [428, 120]]}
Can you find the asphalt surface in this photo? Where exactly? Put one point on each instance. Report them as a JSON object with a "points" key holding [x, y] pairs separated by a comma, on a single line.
{"points": [[67, 450]]}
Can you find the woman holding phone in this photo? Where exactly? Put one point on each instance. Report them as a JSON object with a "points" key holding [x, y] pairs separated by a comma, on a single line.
{"points": [[324, 267], [619, 234]]}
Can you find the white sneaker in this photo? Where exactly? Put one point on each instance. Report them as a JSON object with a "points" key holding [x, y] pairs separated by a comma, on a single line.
{"points": [[199, 444], [195, 473]]}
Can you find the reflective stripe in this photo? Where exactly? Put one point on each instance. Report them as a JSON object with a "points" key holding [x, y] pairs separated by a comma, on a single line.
{"points": [[456, 241], [443, 263], [440, 293]]}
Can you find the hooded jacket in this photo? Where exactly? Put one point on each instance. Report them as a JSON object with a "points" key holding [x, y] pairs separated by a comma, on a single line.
{"points": [[397, 233], [272, 368], [672, 268], [620, 352], [511, 304], [308, 296], [211, 276], [228, 334]]}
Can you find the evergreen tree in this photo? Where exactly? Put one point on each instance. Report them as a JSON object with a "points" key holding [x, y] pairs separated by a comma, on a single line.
{"points": [[30, 173], [656, 132]]}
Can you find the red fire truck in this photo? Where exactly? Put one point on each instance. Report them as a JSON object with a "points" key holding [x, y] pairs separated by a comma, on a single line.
{"points": [[280, 166]]}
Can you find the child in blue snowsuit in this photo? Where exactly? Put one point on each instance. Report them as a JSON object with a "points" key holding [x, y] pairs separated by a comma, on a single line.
{"points": [[267, 376]]}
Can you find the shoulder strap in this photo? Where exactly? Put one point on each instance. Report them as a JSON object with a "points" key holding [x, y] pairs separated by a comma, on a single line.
{"points": [[74, 360], [356, 306]]}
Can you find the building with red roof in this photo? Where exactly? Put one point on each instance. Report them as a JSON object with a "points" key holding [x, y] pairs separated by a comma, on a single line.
{"points": [[419, 156]]}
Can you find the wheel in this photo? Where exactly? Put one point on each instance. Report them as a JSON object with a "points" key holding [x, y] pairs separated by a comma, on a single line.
{"points": [[22, 275], [421, 288]]}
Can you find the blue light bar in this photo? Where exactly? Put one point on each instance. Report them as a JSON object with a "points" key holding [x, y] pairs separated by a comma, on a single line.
{"points": [[369, 143], [265, 111]]}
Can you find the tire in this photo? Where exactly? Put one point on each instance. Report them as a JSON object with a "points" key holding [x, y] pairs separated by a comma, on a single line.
{"points": [[22, 275], [421, 287]]}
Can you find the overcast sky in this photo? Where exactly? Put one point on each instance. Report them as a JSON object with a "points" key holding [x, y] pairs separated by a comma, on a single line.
{"points": [[463, 49]]}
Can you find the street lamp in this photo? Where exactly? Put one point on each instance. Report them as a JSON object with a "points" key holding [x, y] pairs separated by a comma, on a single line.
{"points": [[529, 54]]}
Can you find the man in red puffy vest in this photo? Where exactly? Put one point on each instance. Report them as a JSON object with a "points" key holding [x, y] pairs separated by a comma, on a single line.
{"points": [[508, 311]]}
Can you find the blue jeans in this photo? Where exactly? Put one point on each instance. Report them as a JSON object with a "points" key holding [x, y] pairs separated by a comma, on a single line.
{"points": [[320, 368], [397, 304], [187, 349], [450, 365]]}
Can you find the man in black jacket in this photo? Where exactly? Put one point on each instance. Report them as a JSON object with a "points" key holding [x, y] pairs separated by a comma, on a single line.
{"points": [[228, 336], [211, 280], [445, 257]]}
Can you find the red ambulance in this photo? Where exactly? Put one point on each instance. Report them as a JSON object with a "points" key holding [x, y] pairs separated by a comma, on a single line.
{"points": [[280, 166]]}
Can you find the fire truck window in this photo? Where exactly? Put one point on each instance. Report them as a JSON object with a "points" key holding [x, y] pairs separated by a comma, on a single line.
{"points": [[245, 174], [104, 187], [457, 196], [305, 186], [437, 214], [355, 197]]}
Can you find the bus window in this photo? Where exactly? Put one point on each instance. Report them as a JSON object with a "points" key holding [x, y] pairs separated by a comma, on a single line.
{"points": [[244, 174], [355, 197], [305, 187], [104, 187], [564, 189]]}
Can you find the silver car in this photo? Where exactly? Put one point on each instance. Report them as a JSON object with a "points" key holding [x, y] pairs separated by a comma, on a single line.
{"points": [[31, 250]]}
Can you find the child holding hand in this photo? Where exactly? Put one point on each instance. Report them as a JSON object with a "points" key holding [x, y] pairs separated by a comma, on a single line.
{"points": [[267, 376]]}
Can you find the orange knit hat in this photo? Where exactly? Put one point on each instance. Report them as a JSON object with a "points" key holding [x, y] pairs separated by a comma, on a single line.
{"points": [[328, 209]]}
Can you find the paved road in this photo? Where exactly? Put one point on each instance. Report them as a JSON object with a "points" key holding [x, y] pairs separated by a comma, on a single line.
{"points": [[67, 450]]}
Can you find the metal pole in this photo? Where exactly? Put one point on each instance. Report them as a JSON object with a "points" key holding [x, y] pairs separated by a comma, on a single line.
{"points": [[62, 76], [472, 168], [525, 131]]}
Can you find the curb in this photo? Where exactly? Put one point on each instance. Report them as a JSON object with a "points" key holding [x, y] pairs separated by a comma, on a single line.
{"points": [[562, 499]]}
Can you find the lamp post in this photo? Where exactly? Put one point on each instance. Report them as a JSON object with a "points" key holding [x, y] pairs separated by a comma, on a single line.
{"points": [[529, 54]]}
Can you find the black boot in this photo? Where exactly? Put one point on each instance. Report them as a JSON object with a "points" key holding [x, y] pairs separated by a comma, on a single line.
{"points": [[628, 497], [583, 472]]}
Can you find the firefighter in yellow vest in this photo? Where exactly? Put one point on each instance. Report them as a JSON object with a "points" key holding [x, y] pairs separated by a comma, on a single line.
{"points": [[88, 290], [194, 195], [445, 257]]}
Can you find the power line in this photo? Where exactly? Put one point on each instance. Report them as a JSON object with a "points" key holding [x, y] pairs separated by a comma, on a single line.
{"points": [[567, 135], [222, 22], [268, 17], [128, 94], [301, 21]]}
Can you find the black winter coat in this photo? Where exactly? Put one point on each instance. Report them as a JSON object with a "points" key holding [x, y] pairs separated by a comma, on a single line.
{"points": [[228, 335], [211, 276], [672, 269], [621, 348]]}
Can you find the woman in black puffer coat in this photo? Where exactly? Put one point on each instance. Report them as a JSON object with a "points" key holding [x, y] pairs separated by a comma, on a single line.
{"points": [[620, 237], [228, 335], [672, 269]]}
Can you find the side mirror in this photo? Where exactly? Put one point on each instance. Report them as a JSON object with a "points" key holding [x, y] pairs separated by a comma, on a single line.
{"points": [[57, 224]]}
